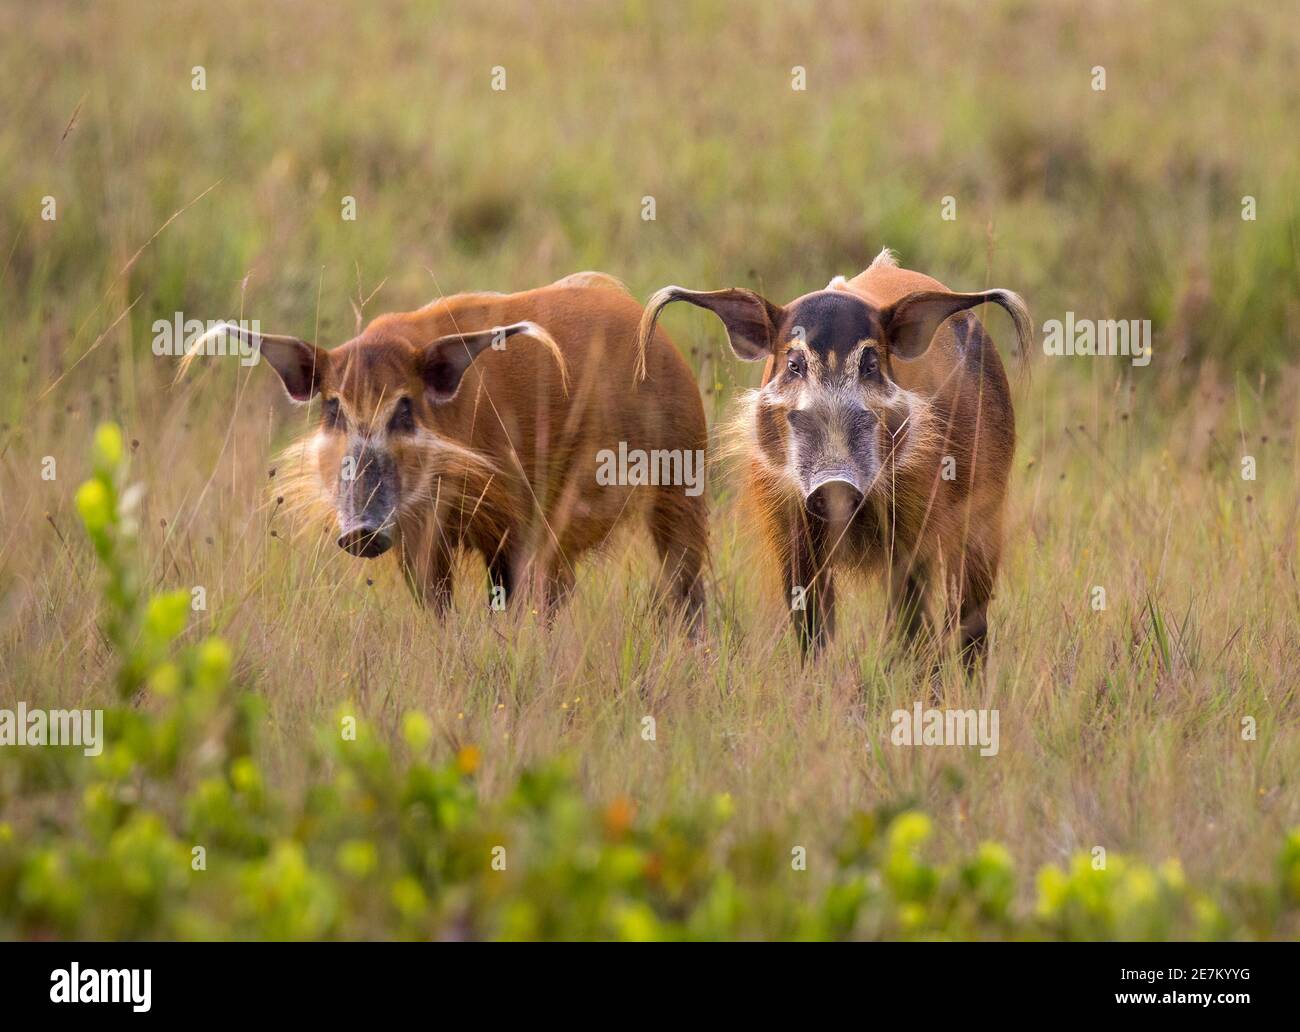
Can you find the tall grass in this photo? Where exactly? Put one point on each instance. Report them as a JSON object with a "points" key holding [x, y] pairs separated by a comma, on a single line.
{"points": [[1120, 728]]}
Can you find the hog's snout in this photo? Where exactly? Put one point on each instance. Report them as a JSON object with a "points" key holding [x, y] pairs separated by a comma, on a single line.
{"points": [[833, 448], [366, 542], [367, 501], [834, 497]]}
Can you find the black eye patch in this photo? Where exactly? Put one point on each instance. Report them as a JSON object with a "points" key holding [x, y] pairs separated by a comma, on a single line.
{"points": [[332, 414], [869, 366], [403, 421]]}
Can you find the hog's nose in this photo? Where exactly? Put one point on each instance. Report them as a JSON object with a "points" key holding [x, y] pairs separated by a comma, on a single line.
{"points": [[366, 542], [835, 499]]}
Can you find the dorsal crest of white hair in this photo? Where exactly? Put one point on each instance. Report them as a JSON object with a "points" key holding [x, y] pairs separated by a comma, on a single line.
{"points": [[592, 279], [887, 258], [837, 283]]}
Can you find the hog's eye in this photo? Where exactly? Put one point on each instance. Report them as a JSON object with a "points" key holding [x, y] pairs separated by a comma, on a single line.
{"points": [[869, 366], [332, 414], [796, 363], [403, 421]]}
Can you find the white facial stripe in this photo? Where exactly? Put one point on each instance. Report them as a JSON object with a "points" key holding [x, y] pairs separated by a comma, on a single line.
{"points": [[814, 360], [853, 364]]}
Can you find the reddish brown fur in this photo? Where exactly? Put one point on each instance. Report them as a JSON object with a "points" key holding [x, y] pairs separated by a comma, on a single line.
{"points": [[514, 477], [915, 527], [947, 532]]}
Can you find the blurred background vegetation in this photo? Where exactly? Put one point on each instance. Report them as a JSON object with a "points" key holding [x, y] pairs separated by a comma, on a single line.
{"points": [[226, 202], [1120, 203]]}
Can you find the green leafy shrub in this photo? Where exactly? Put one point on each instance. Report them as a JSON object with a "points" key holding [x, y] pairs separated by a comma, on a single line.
{"points": [[173, 831]]}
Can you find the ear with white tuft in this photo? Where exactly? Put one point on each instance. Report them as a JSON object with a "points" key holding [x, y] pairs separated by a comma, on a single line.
{"points": [[299, 364], [444, 361], [751, 320], [910, 322]]}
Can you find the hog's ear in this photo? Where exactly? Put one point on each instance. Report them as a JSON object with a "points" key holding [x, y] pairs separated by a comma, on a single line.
{"points": [[910, 322], [443, 361], [300, 365], [751, 320]]}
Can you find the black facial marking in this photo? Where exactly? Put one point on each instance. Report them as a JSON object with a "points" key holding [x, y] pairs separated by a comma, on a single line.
{"points": [[332, 414], [832, 321], [403, 421], [869, 366]]}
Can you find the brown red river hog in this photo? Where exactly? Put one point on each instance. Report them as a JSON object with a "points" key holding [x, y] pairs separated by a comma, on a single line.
{"points": [[448, 429], [880, 441]]}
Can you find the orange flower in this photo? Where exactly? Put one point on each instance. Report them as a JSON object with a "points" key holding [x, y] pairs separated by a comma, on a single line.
{"points": [[467, 759], [618, 816]]}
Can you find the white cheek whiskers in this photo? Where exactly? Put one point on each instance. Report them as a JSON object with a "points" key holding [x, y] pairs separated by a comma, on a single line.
{"points": [[311, 452], [904, 440], [443, 457], [738, 436]]}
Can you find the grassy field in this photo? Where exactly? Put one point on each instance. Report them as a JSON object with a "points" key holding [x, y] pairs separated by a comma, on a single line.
{"points": [[1120, 728]]}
